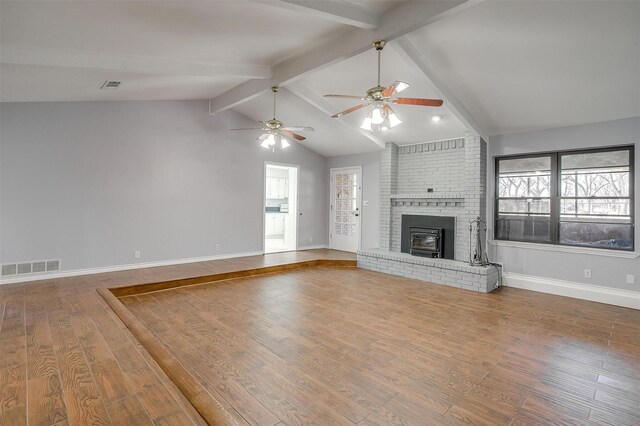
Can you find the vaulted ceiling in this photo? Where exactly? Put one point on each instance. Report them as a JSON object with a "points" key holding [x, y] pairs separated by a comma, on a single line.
{"points": [[500, 66]]}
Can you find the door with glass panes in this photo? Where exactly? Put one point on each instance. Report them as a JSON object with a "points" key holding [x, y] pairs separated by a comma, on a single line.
{"points": [[345, 209]]}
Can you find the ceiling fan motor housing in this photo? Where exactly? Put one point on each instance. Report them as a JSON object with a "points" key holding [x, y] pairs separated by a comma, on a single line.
{"points": [[375, 94]]}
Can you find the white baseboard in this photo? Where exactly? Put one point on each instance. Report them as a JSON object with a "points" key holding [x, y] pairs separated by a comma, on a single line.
{"points": [[321, 246], [89, 271], [594, 293]]}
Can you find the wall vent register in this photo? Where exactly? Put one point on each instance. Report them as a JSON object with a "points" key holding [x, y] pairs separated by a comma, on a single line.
{"points": [[39, 266]]}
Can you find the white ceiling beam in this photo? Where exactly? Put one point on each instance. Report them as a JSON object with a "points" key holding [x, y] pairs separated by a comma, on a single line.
{"points": [[321, 104], [128, 63], [406, 17], [413, 56], [332, 10]]}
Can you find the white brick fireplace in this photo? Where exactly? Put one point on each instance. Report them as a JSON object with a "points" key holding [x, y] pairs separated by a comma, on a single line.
{"points": [[444, 178]]}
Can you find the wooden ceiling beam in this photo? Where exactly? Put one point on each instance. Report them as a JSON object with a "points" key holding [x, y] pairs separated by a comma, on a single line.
{"points": [[129, 63], [406, 17], [335, 11], [413, 56]]}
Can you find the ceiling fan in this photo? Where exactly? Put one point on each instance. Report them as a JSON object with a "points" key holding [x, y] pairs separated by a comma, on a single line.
{"points": [[275, 131], [383, 117]]}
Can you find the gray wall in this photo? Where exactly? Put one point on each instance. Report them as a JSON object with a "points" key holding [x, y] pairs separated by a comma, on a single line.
{"points": [[91, 182], [370, 163], [606, 271]]}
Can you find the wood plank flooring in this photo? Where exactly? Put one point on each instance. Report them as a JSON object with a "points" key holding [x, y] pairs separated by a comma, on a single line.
{"points": [[66, 359], [342, 346], [316, 346]]}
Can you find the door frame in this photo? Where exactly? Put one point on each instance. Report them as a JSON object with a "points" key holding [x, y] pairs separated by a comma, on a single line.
{"points": [[331, 188], [264, 200]]}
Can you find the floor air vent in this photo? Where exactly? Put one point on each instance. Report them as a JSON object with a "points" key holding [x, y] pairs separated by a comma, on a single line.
{"points": [[35, 267]]}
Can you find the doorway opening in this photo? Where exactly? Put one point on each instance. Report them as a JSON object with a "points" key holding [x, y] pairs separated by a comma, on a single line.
{"points": [[280, 208]]}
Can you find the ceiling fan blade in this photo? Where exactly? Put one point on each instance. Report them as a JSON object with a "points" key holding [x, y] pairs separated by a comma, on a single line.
{"points": [[250, 128], [346, 97], [418, 101], [350, 110], [298, 128], [293, 135], [396, 87]]}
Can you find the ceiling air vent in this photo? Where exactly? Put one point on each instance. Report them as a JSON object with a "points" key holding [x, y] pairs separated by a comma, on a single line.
{"points": [[110, 85]]}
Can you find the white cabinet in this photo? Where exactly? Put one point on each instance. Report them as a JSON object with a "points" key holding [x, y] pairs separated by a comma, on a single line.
{"points": [[277, 188], [280, 223], [274, 224]]}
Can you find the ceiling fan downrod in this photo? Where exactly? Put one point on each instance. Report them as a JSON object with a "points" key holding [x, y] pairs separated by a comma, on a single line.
{"points": [[274, 89], [379, 45]]}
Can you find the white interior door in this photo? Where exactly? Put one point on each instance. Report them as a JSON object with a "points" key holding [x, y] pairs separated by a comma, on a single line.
{"points": [[345, 210]]}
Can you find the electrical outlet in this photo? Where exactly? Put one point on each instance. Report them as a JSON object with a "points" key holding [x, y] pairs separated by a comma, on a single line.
{"points": [[587, 273], [310, 239], [217, 247], [136, 254], [631, 279]]}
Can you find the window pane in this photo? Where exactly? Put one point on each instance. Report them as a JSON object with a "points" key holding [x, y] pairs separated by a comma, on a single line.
{"points": [[525, 185], [524, 228], [595, 183], [595, 208], [525, 177], [524, 206], [595, 160], [600, 207], [530, 164], [600, 235]]}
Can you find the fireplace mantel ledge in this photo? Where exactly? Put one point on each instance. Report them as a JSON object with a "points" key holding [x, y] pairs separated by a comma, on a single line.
{"points": [[455, 265], [428, 196]]}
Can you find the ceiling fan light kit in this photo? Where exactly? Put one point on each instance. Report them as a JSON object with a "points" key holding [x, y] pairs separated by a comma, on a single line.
{"points": [[382, 116], [275, 132]]}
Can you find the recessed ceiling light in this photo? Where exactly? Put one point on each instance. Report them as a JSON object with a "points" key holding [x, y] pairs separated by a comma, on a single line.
{"points": [[436, 117]]}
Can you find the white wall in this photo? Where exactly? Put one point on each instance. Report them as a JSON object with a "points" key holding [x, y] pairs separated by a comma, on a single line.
{"points": [[606, 271], [91, 182], [370, 163]]}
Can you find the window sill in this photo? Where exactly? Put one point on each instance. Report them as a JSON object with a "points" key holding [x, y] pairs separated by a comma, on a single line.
{"points": [[567, 249]]}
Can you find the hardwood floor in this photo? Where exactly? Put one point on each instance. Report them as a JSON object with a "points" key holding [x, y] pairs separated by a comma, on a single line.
{"points": [[319, 346], [65, 357], [325, 346]]}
